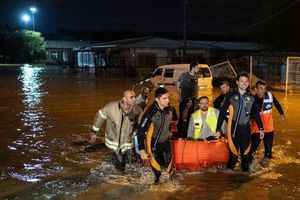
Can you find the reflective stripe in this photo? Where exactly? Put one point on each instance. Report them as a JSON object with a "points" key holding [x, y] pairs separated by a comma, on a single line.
{"points": [[270, 96], [111, 143], [126, 145], [102, 114], [266, 111], [115, 146], [136, 144], [96, 129], [125, 149], [111, 146], [267, 102]]}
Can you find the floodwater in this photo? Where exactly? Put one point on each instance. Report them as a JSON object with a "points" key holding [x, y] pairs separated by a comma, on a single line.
{"points": [[42, 110]]}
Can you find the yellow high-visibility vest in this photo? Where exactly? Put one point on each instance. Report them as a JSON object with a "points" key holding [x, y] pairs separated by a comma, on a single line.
{"points": [[211, 121]]}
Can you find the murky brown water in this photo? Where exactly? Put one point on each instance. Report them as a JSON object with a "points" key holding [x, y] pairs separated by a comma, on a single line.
{"points": [[40, 109]]}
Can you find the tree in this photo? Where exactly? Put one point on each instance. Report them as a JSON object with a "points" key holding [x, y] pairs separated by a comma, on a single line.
{"points": [[34, 46], [21, 46]]}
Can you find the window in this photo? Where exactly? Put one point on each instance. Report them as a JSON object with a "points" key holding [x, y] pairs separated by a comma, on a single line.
{"points": [[169, 73], [203, 73], [54, 55], [157, 72]]}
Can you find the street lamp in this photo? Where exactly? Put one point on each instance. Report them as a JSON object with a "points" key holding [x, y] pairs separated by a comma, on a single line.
{"points": [[33, 10], [25, 18]]}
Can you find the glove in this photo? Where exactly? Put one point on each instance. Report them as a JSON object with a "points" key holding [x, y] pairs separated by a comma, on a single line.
{"points": [[261, 134]]}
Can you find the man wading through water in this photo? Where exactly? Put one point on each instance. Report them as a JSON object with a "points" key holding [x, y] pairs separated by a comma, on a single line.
{"points": [[242, 106], [155, 126], [266, 100], [121, 119]]}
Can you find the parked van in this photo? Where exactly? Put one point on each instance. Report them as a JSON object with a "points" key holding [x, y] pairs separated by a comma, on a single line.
{"points": [[168, 75]]}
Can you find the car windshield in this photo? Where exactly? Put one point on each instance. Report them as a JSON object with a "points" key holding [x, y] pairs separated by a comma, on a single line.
{"points": [[223, 70], [169, 73], [203, 73]]}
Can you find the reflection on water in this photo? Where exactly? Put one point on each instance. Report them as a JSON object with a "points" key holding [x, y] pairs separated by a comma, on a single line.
{"points": [[33, 93], [30, 140]]}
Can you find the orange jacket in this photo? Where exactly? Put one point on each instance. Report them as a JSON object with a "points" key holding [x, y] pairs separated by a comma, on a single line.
{"points": [[265, 115]]}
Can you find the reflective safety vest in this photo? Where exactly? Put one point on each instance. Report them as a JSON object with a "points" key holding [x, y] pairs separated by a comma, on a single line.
{"points": [[211, 121], [265, 115]]}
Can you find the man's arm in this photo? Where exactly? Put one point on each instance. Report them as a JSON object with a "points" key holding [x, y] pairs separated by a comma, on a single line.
{"points": [[223, 112], [144, 125], [277, 105], [99, 119], [255, 114], [178, 85], [191, 128], [141, 133], [217, 102]]}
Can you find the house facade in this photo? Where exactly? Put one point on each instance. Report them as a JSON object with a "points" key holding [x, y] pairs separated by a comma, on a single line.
{"points": [[62, 51]]}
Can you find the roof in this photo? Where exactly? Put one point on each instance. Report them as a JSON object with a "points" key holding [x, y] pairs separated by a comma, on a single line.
{"points": [[157, 42], [224, 45], [64, 44], [181, 66], [141, 42]]}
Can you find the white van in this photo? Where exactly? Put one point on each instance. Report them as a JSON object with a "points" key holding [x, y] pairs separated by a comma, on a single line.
{"points": [[168, 75]]}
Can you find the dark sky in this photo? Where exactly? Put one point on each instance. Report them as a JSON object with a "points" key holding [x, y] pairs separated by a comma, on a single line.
{"points": [[206, 16]]}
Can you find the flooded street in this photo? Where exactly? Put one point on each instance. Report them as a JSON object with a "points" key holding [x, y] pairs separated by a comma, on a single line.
{"points": [[42, 108]]}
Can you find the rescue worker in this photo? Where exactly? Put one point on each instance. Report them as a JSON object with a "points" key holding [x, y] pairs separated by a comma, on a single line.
{"points": [[225, 90], [121, 119], [203, 122], [186, 87], [154, 126], [265, 100], [143, 98], [242, 106]]}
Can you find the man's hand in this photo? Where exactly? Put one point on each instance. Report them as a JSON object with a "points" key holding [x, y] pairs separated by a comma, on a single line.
{"points": [[261, 134], [220, 134], [93, 138], [144, 155], [282, 117]]}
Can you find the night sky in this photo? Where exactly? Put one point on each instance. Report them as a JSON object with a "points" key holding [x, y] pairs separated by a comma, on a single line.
{"points": [[206, 16]]}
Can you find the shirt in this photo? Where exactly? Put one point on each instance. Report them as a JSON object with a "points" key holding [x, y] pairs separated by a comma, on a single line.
{"points": [[187, 85]]}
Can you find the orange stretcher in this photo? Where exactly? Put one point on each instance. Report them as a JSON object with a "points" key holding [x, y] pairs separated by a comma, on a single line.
{"points": [[193, 155]]}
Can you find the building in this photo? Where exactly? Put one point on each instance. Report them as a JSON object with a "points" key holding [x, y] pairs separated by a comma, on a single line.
{"points": [[146, 52], [62, 51]]}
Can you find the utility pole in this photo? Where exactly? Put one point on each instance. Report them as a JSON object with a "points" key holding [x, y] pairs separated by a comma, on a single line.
{"points": [[185, 25], [33, 11]]}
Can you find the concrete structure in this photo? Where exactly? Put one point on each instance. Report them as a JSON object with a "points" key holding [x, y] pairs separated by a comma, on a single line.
{"points": [[62, 51]]}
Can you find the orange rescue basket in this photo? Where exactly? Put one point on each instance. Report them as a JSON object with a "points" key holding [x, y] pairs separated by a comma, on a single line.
{"points": [[195, 155]]}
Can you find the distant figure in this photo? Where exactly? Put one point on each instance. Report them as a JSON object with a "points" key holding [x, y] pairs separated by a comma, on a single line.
{"points": [[265, 100], [203, 122], [186, 87], [143, 98], [121, 119], [225, 89], [282, 73]]}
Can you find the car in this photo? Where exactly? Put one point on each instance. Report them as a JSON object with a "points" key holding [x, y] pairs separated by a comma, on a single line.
{"points": [[168, 75]]}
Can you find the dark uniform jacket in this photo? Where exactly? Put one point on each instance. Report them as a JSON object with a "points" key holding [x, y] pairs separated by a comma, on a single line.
{"points": [[161, 120], [245, 107]]}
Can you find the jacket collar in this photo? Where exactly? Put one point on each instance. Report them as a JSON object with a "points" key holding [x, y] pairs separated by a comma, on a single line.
{"points": [[157, 106], [125, 108]]}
